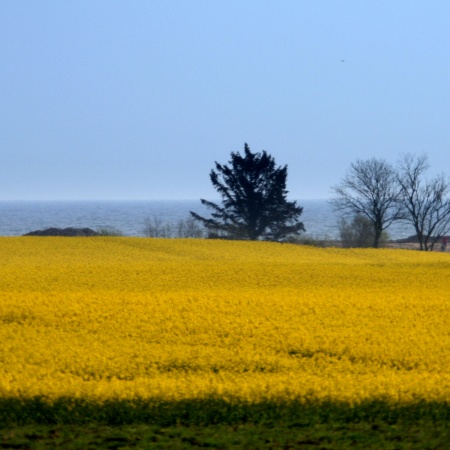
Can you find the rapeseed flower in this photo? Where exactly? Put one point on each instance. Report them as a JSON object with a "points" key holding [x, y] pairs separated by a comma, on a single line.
{"points": [[106, 318]]}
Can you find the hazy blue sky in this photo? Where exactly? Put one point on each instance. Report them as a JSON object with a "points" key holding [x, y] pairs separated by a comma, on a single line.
{"points": [[136, 99]]}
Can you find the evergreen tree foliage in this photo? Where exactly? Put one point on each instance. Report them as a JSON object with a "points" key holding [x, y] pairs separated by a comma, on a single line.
{"points": [[254, 204]]}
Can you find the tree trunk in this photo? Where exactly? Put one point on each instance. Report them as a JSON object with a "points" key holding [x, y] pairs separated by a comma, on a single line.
{"points": [[377, 235]]}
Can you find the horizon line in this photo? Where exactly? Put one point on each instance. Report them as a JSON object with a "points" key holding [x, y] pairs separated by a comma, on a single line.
{"points": [[131, 199]]}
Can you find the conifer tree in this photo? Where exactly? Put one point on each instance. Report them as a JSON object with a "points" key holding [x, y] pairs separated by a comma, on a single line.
{"points": [[254, 204]]}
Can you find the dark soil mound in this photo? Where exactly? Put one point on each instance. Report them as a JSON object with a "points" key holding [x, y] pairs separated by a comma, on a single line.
{"points": [[63, 232]]}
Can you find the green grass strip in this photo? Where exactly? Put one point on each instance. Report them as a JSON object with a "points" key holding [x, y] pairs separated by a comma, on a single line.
{"points": [[39, 410]]}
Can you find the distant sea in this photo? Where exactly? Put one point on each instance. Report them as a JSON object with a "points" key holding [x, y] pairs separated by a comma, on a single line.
{"points": [[20, 217]]}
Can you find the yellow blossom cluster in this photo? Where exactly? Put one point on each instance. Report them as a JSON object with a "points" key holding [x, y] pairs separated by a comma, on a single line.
{"points": [[105, 318]]}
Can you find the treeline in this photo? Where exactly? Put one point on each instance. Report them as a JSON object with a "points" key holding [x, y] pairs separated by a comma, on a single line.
{"points": [[380, 194], [371, 197], [183, 228]]}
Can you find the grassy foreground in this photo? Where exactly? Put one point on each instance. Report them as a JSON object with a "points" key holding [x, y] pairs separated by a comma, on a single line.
{"points": [[218, 343], [377, 435]]}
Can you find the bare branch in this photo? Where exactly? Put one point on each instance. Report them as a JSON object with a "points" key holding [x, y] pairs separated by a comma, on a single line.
{"points": [[425, 202], [369, 189]]}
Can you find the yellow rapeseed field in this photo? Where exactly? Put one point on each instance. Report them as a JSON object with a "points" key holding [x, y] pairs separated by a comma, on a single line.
{"points": [[127, 318]]}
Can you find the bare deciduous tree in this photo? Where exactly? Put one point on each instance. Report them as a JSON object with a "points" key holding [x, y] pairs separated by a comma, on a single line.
{"points": [[357, 233], [184, 228], [155, 227], [189, 228], [370, 189], [426, 202]]}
